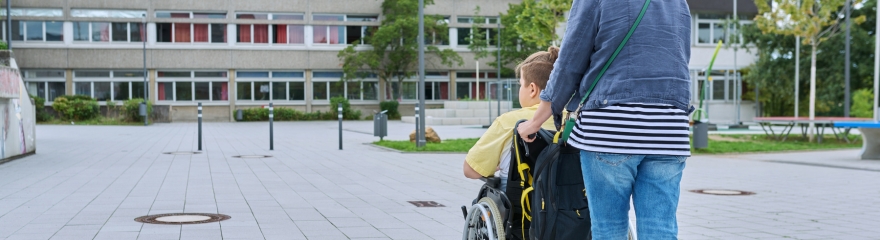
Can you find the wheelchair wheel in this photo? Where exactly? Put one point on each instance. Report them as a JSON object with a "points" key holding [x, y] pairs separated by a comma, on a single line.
{"points": [[484, 222]]}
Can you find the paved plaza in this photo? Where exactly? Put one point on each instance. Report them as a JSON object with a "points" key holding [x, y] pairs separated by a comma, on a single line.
{"points": [[91, 182]]}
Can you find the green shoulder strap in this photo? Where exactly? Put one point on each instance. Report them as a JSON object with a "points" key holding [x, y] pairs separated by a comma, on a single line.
{"points": [[569, 124]]}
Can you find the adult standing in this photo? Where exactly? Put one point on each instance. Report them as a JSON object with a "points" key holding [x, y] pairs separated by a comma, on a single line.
{"points": [[633, 127]]}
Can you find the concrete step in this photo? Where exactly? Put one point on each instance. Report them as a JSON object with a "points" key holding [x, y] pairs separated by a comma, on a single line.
{"points": [[475, 105], [448, 121], [466, 113]]}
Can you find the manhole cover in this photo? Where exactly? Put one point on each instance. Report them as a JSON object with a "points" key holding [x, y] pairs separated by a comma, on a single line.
{"points": [[426, 204], [182, 218], [182, 153], [252, 156], [724, 192]]}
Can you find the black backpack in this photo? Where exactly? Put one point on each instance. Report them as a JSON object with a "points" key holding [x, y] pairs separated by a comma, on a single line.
{"points": [[546, 190]]}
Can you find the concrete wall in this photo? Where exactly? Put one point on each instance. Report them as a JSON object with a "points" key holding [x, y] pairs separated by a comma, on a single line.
{"points": [[17, 115]]}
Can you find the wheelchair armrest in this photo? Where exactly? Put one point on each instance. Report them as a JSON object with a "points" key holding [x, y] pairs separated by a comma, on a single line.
{"points": [[494, 182]]}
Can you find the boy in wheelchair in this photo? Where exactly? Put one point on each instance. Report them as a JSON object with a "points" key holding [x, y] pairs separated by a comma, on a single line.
{"points": [[490, 158]]}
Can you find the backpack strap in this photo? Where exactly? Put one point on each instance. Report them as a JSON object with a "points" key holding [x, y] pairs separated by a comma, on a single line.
{"points": [[569, 124]]}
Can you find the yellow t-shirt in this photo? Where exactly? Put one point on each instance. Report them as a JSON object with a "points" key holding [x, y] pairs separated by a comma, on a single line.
{"points": [[485, 155]]}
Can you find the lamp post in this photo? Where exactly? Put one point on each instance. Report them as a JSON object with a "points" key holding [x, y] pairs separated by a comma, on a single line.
{"points": [[420, 133], [144, 39], [9, 25], [846, 63]]}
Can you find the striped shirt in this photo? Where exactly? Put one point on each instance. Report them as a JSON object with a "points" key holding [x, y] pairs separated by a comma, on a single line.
{"points": [[633, 128]]}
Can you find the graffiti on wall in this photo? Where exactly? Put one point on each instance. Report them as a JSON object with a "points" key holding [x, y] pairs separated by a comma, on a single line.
{"points": [[9, 83]]}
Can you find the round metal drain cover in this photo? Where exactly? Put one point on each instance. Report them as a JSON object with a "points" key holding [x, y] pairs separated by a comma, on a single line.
{"points": [[723, 192], [252, 156], [182, 218], [182, 153]]}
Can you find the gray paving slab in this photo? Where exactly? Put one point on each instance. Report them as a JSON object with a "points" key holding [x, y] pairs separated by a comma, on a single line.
{"points": [[90, 182]]}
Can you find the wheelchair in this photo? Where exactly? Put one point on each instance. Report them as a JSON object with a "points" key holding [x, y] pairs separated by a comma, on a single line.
{"points": [[492, 215]]}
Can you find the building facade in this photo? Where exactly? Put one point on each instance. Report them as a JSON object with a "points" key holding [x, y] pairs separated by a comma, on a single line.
{"points": [[241, 54]]}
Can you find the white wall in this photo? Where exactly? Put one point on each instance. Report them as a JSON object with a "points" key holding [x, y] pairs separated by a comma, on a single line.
{"points": [[17, 118]]}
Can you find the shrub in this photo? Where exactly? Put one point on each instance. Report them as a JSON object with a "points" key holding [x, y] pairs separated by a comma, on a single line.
{"points": [[289, 114], [131, 109], [347, 112], [76, 107], [391, 106], [862, 101], [3, 45], [39, 106]]}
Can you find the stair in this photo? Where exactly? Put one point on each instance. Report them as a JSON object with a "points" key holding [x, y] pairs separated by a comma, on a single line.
{"points": [[462, 113]]}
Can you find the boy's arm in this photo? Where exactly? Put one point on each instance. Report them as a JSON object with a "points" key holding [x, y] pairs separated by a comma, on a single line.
{"points": [[484, 156]]}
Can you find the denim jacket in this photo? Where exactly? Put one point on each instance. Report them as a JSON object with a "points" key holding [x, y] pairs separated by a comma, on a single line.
{"points": [[651, 68]]}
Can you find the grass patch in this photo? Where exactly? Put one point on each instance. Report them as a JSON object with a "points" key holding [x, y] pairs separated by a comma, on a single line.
{"points": [[718, 144], [723, 143], [449, 145], [95, 121]]}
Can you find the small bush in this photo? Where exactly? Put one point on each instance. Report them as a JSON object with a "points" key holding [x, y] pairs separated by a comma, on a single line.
{"points": [[863, 99], [391, 106], [39, 106], [131, 109], [288, 114], [347, 112], [76, 107], [3, 45]]}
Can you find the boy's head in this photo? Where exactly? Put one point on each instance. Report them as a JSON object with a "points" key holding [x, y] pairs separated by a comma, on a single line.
{"points": [[534, 72]]}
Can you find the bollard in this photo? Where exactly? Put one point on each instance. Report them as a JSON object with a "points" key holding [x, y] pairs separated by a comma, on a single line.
{"points": [[417, 124], [200, 126], [339, 114], [271, 121]]}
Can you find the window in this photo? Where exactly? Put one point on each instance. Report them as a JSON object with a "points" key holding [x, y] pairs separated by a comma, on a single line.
{"points": [[98, 13], [183, 86], [37, 31], [713, 28], [465, 38], [34, 12], [356, 34], [323, 34], [288, 34], [191, 15], [104, 85], [108, 32], [328, 17], [191, 32], [48, 84], [345, 18], [253, 33], [466, 86], [486, 20], [270, 85], [270, 16], [326, 85]]}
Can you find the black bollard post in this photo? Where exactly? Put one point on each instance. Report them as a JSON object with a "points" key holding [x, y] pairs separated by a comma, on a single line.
{"points": [[200, 126], [271, 121], [417, 125], [339, 114]]}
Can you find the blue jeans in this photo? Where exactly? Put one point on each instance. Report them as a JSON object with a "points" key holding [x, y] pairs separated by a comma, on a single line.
{"points": [[652, 181]]}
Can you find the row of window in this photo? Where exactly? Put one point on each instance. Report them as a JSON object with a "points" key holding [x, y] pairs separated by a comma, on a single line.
{"points": [[183, 86]]}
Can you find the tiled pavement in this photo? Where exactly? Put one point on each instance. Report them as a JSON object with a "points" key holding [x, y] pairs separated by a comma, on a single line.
{"points": [[90, 182]]}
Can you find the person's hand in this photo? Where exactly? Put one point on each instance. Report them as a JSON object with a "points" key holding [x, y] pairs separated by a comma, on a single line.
{"points": [[528, 128]]}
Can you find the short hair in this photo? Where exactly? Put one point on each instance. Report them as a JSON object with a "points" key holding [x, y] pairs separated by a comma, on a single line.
{"points": [[537, 67]]}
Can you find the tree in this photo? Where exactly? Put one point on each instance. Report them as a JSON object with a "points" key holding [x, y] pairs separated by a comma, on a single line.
{"points": [[393, 47], [537, 21], [813, 20]]}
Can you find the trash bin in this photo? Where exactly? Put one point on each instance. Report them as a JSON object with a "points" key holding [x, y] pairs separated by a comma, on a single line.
{"points": [[380, 124], [701, 135], [142, 110], [238, 114]]}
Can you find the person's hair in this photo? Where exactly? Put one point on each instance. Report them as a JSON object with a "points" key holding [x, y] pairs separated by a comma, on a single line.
{"points": [[537, 67]]}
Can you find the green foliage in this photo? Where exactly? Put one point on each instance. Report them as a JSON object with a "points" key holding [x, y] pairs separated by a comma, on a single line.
{"points": [[76, 107], [3, 45], [479, 43], [448, 145], [286, 114], [863, 99], [394, 51], [40, 107], [773, 70], [536, 21], [391, 107], [131, 109], [347, 112]]}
